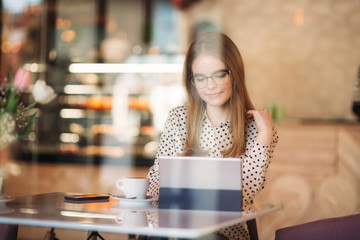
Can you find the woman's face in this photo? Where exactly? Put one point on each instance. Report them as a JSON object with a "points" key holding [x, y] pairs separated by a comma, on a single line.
{"points": [[214, 94]]}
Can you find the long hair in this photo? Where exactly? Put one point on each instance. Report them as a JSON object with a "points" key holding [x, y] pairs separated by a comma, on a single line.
{"points": [[222, 47]]}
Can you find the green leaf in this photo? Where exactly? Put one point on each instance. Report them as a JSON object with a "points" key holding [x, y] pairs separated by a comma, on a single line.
{"points": [[12, 100], [11, 80], [26, 130]]}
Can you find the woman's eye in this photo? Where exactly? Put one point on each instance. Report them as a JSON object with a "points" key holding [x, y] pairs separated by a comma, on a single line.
{"points": [[220, 75], [199, 78]]}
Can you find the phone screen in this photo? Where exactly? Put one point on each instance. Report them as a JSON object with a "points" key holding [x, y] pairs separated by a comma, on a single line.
{"points": [[86, 197]]}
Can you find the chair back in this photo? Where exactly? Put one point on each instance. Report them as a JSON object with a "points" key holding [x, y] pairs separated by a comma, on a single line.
{"points": [[8, 232], [341, 228]]}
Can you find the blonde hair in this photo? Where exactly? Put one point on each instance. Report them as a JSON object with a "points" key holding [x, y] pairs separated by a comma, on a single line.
{"points": [[222, 47]]}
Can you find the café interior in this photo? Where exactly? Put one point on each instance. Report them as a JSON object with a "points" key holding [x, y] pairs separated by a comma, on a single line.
{"points": [[302, 62]]}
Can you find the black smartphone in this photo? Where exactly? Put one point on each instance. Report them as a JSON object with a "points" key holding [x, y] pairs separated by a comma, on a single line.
{"points": [[86, 197]]}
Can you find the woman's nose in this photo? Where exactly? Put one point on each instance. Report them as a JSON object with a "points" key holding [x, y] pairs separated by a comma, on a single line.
{"points": [[211, 83]]}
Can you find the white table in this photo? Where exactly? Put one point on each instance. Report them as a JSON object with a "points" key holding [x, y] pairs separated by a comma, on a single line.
{"points": [[51, 210]]}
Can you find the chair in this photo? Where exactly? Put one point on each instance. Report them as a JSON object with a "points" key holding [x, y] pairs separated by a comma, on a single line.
{"points": [[8, 232], [251, 224], [340, 228]]}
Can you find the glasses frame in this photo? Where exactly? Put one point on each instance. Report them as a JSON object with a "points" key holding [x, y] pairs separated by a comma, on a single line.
{"points": [[227, 71]]}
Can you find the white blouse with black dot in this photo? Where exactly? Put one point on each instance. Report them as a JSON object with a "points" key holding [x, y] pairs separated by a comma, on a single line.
{"points": [[216, 139]]}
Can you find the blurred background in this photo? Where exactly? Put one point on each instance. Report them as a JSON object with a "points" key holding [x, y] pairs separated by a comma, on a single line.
{"points": [[302, 61]]}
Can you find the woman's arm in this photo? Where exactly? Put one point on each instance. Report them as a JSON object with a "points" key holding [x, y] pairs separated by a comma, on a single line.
{"points": [[257, 158], [168, 146]]}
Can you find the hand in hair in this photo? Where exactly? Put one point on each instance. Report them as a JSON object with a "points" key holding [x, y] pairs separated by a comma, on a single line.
{"points": [[263, 123]]}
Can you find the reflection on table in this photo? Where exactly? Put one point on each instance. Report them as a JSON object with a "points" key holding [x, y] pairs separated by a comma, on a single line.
{"points": [[51, 210]]}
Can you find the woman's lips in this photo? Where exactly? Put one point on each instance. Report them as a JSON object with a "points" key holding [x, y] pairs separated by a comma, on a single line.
{"points": [[213, 94]]}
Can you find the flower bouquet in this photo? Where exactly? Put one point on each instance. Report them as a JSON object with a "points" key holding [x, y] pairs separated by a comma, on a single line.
{"points": [[17, 118]]}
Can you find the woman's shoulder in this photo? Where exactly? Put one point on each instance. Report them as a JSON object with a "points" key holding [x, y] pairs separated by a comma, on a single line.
{"points": [[177, 116], [178, 111]]}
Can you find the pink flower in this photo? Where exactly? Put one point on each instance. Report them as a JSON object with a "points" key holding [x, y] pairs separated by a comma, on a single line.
{"points": [[22, 79]]}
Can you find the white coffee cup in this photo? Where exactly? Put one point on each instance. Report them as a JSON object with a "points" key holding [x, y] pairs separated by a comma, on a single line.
{"points": [[133, 187]]}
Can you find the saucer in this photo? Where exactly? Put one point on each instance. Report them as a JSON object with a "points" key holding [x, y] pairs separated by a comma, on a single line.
{"points": [[134, 201], [132, 207]]}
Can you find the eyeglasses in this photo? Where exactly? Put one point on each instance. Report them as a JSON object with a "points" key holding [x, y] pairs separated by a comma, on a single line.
{"points": [[219, 77]]}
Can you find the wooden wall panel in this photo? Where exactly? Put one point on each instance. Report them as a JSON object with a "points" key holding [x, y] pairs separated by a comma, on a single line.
{"points": [[315, 174]]}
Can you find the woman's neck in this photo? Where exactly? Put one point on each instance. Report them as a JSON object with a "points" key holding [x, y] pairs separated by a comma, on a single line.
{"points": [[218, 115]]}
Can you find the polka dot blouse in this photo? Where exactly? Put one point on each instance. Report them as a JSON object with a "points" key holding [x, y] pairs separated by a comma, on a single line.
{"points": [[216, 139]]}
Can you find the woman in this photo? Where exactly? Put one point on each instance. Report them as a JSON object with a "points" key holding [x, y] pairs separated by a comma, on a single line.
{"points": [[219, 119]]}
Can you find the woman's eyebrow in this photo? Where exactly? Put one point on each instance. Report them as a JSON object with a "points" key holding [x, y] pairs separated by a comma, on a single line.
{"points": [[220, 70]]}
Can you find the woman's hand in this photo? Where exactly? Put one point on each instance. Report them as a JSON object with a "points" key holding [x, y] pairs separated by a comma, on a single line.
{"points": [[263, 123]]}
